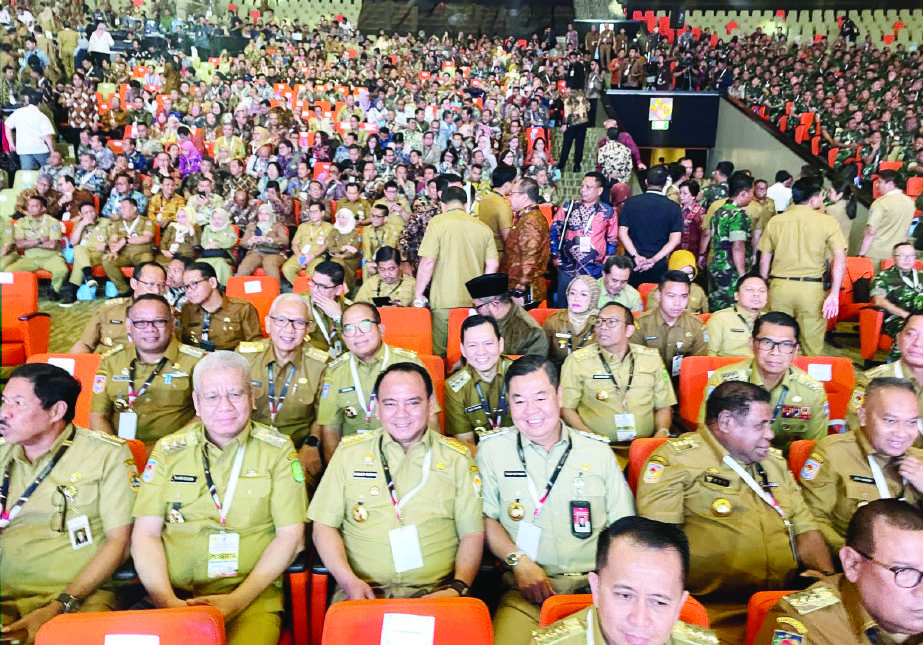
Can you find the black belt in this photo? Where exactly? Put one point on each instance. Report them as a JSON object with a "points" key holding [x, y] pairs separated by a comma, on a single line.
{"points": [[779, 277]]}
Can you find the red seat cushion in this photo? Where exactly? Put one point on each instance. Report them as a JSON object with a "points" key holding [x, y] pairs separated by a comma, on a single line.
{"points": [[13, 353]]}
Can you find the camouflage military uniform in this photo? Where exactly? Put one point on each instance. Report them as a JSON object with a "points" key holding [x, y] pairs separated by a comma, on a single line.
{"points": [[730, 224], [714, 192], [904, 289]]}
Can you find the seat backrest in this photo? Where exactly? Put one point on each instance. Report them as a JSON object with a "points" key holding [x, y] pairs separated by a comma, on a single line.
{"points": [[638, 453], [693, 375], [760, 604], [458, 621], [560, 606], [798, 453], [453, 345], [837, 375], [645, 289], [19, 294], [202, 625], [302, 285], [138, 453], [258, 290], [436, 368], [540, 315], [914, 186], [82, 367], [408, 327]]}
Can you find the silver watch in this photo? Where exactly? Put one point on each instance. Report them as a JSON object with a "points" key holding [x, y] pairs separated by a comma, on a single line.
{"points": [[513, 558]]}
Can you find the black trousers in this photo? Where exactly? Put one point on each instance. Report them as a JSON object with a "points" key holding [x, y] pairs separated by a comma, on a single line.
{"points": [[574, 135]]}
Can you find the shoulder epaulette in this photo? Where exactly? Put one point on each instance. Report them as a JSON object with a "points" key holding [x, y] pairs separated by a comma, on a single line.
{"points": [[592, 435], [192, 351], [106, 437], [458, 380], [812, 599], [685, 442], [268, 435], [490, 434], [585, 352], [694, 635], [775, 453], [559, 631], [643, 349], [251, 346], [342, 358], [455, 445], [316, 354], [355, 438], [404, 352], [115, 302], [178, 440], [806, 379], [114, 350]]}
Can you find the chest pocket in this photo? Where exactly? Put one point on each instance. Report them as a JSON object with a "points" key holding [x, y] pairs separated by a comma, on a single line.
{"points": [[251, 502], [861, 492], [82, 496]]}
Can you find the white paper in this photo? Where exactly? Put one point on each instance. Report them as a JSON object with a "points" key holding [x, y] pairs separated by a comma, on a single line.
{"points": [[405, 549], [6, 277], [253, 286], [128, 425], [625, 427], [223, 554], [527, 538], [69, 364], [131, 639], [407, 629], [820, 371]]}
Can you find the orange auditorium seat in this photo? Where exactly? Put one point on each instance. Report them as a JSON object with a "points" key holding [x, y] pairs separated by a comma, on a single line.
{"points": [[645, 290], [408, 327], [693, 375], [436, 368], [203, 625], [914, 187], [638, 453], [560, 606], [257, 290], [25, 330], [760, 604], [838, 377], [798, 453], [453, 346], [82, 367], [871, 338], [540, 314]]}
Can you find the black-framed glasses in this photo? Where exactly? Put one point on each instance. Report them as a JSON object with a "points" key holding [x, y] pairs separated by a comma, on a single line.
{"points": [[194, 284], [158, 323], [317, 285], [361, 327], [298, 324], [904, 577], [784, 346], [610, 323], [153, 285]]}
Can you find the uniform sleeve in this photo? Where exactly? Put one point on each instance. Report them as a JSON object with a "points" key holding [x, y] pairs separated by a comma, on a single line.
{"points": [[767, 240], [504, 215], [664, 396], [289, 500], [102, 401], [250, 324], [739, 227], [661, 488], [819, 488], [700, 342], [796, 509], [820, 418], [468, 509], [714, 334], [571, 389], [91, 332], [490, 487], [876, 212], [151, 500], [835, 239], [456, 421], [634, 301], [490, 244], [54, 231], [536, 342], [116, 488], [619, 499], [778, 619], [327, 507]]}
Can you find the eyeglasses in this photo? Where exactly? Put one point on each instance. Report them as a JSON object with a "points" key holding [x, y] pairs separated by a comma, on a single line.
{"points": [[478, 308], [193, 284], [610, 323], [361, 327], [784, 346], [904, 577], [317, 285], [158, 323], [298, 324], [234, 397], [153, 285]]}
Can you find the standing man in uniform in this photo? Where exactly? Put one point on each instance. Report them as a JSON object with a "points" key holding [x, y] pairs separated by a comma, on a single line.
{"points": [[131, 242], [346, 404], [614, 287], [210, 320], [521, 334], [733, 495], [38, 238], [614, 388], [542, 462], [221, 510], [729, 234], [455, 248], [875, 600], [286, 373], [84, 483], [794, 247], [143, 390], [476, 399], [799, 403], [326, 301], [889, 218], [729, 330], [398, 511], [526, 251], [494, 208], [877, 460]]}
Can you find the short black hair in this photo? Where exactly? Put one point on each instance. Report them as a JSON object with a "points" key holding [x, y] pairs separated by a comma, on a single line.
{"points": [[783, 176], [477, 320], [804, 189], [528, 364], [453, 194], [657, 176], [629, 316], [734, 397], [776, 318], [372, 309], [51, 384], [332, 270], [618, 261], [136, 272], [860, 534], [406, 368], [503, 174], [146, 297], [204, 268], [738, 183], [387, 253], [726, 168], [674, 276], [891, 176], [692, 185], [645, 532]]}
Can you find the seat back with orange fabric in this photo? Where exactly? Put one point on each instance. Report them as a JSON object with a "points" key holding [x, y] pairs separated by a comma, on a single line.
{"points": [[838, 377], [547, 211], [459, 621], [202, 625], [540, 315], [453, 344], [871, 338], [408, 327], [693, 375], [914, 187], [82, 367], [260, 291], [644, 289], [798, 453], [856, 269], [25, 330], [890, 165], [760, 604], [138, 453], [560, 606], [436, 368], [638, 453]]}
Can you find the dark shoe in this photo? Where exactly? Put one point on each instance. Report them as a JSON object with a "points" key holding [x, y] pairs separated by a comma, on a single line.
{"points": [[577, 168], [68, 298], [53, 295]]}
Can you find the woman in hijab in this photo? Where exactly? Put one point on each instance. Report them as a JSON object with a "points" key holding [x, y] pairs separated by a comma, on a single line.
{"points": [[570, 329]]}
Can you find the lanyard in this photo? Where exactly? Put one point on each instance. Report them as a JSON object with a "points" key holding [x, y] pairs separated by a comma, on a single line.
{"points": [[224, 509], [393, 289], [276, 404], [590, 636], [539, 502], [485, 405], [6, 518], [320, 324], [631, 376], [369, 404], [780, 403], [764, 493], [206, 324], [424, 475], [916, 279], [134, 396], [880, 482], [586, 336], [130, 230], [748, 325]]}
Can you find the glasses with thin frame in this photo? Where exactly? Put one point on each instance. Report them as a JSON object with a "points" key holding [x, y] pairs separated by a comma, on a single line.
{"points": [[158, 323], [361, 327], [904, 577], [610, 323], [194, 284]]}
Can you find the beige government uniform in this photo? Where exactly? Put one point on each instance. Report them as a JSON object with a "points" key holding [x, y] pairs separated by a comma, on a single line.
{"points": [[590, 474], [131, 254], [729, 331], [346, 402], [464, 410], [494, 210], [837, 479], [7, 236], [375, 238], [698, 301], [739, 544], [686, 337], [628, 296], [325, 331], [106, 328], [890, 215], [164, 407], [521, 334], [799, 403], [309, 239], [87, 253], [299, 406], [563, 340], [622, 410], [270, 494], [373, 287], [897, 369], [51, 260], [583, 627], [97, 479], [361, 208], [760, 213], [800, 239], [232, 323], [353, 498]]}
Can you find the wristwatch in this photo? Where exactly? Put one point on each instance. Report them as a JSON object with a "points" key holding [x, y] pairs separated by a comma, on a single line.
{"points": [[460, 586], [312, 441], [70, 604], [513, 558]]}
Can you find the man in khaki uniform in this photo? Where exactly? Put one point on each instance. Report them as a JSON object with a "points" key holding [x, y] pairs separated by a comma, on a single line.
{"points": [[794, 247], [617, 389], [210, 320], [187, 551], [326, 302], [476, 399], [614, 287], [286, 373], [67, 538], [646, 560], [107, 327], [670, 328], [67, 43], [874, 461], [310, 243], [92, 239], [494, 208], [131, 242], [760, 209], [389, 282], [357, 204], [729, 330], [38, 238], [799, 403], [346, 406], [429, 541], [867, 604], [377, 236], [455, 248], [143, 390], [490, 296], [398, 206], [714, 483], [8, 252], [889, 218], [548, 550]]}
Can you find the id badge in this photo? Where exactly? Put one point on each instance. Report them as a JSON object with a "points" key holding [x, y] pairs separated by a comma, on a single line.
{"points": [[625, 427], [674, 366], [581, 524], [405, 549], [223, 554], [128, 424], [527, 538], [585, 244], [78, 528]]}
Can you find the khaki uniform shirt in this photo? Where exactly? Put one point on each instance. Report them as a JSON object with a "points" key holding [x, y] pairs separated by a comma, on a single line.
{"points": [[890, 215], [628, 296], [799, 403], [361, 208], [166, 403], [106, 328], [643, 386], [98, 479], [729, 331], [464, 410], [698, 301], [494, 210], [325, 333], [375, 238], [233, 322], [760, 213], [576, 629], [896, 369], [340, 400], [119, 229], [373, 287], [563, 339], [739, 544], [298, 408], [46, 228], [521, 334], [687, 337], [837, 478], [270, 494], [800, 239], [590, 474], [163, 211], [95, 235], [310, 238], [353, 498]]}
